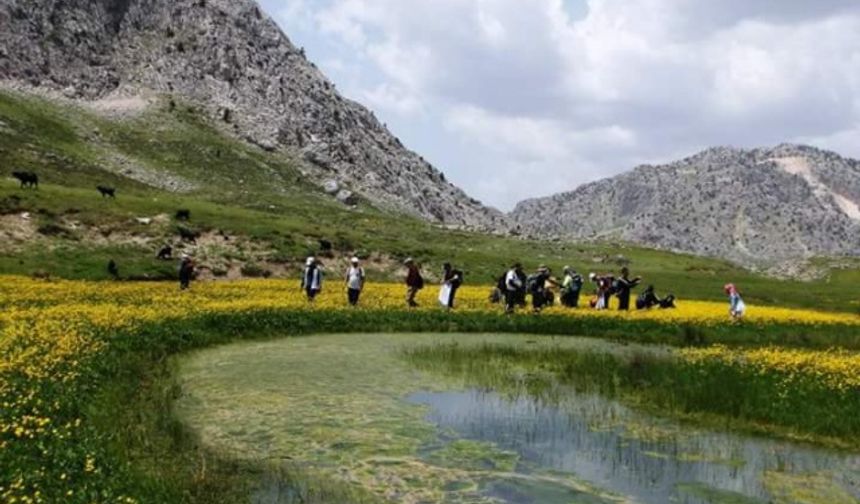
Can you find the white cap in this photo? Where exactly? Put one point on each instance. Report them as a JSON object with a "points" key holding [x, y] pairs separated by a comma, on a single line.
{"points": [[592, 276], [354, 260], [310, 260], [185, 256]]}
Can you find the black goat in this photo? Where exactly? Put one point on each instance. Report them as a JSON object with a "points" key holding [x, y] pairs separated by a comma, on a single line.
{"points": [[183, 215], [107, 191], [166, 253], [188, 234], [27, 179]]}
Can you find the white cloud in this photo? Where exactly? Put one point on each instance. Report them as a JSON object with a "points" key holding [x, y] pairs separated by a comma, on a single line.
{"points": [[518, 89]]}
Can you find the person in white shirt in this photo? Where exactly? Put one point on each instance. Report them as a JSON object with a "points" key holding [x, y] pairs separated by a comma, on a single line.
{"points": [[312, 278], [513, 286], [354, 281]]}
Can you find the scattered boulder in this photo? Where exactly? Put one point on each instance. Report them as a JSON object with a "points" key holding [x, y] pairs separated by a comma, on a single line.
{"points": [[331, 187], [347, 197]]}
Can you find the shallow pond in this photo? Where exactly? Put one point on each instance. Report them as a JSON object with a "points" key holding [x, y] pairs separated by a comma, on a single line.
{"points": [[349, 409]]}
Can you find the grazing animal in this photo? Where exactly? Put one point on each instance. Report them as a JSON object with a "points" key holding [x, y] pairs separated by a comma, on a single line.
{"points": [[27, 179], [107, 192], [188, 235], [183, 215], [166, 253], [143, 221]]}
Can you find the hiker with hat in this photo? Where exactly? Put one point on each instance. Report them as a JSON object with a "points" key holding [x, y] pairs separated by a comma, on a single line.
{"points": [[312, 278], [571, 287], [414, 282], [186, 271], [354, 281]]}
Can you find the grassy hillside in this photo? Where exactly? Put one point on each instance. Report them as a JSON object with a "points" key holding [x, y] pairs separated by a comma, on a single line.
{"points": [[258, 216]]}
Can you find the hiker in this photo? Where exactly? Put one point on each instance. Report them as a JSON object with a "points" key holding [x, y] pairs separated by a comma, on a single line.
{"points": [[603, 290], [513, 286], [186, 271], [414, 282], [737, 307], [113, 269], [312, 278], [571, 288], [541, 295], [354, 281], [622, 289], [452, 279]]}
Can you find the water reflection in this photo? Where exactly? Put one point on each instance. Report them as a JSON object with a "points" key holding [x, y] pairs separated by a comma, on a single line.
{"points": [[648, 460]]}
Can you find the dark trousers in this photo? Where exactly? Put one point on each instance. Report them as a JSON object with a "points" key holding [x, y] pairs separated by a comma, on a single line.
{"points": [[353, 295], [624, 301], [570, 299], [184, 281], [453, 294], [312, 293], [511, 300]]}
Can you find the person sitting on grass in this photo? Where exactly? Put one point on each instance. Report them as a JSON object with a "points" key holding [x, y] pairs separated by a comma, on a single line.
{"points": [[354, 281], [186, 271], [648, 299], [414, 282], [737, 307], [312, 278]]}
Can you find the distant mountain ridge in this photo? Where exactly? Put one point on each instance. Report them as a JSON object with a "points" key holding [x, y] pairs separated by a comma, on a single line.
{"points": [[233, 60], [767, 204]]}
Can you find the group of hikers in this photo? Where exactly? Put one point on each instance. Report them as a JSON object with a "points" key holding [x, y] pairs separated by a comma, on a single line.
{"points": [[512, 288]]}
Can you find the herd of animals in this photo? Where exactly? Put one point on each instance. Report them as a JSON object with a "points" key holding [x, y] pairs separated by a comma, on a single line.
{"points": [[30, 180]]}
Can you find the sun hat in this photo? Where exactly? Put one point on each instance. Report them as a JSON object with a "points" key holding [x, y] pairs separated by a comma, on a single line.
{"points": [[408, 260], [354, 260], [310, 260], [592, 276]]}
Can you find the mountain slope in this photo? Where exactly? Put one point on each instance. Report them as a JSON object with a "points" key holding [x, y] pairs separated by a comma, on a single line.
{"points": [[231, 59], [763, 204]]}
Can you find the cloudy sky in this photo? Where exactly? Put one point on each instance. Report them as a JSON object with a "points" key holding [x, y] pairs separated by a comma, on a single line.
{"points": [[522, 98]]}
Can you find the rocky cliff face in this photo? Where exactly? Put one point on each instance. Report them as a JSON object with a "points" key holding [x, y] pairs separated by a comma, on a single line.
{"points": [[746, 205], [233, 60]]}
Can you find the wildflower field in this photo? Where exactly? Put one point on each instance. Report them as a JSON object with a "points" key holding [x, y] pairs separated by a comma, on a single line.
{"points": [[72, 349]]}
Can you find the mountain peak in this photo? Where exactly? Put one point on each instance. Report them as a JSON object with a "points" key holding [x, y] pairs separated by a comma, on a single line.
{"points": [[748, 205], [232, 60]]}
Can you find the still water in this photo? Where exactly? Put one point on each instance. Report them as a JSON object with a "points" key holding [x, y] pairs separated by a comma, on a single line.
{"points": [[642, 459]]}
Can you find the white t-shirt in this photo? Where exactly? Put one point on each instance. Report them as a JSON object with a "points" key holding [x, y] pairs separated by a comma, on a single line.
{"points": [[355, 278], [512, 281]]}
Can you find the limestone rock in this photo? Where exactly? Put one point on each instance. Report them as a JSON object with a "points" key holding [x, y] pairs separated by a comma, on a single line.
{"points": [[750, 206], [233, 61]]}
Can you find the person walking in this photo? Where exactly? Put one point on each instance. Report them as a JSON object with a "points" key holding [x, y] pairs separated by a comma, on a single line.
{"points": [[186, 271], [354, 281], [414, 282], [452, 279], [571, 287], [737, 307], [513, 287], [537, 286], [623, 286], [312, 278]]}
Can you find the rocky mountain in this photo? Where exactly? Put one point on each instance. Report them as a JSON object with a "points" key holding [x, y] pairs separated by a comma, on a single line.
{"points": [[781, 203], [232, 60]]}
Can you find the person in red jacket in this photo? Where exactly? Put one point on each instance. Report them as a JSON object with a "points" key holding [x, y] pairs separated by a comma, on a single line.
{"points": [[414, 282]]}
